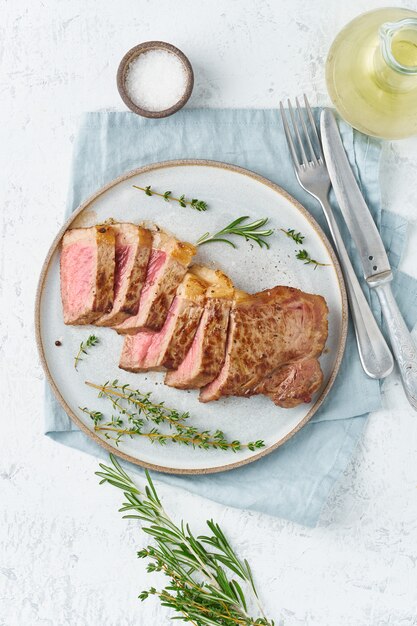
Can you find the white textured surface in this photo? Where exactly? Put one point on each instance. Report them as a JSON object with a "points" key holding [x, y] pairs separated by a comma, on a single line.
{"points": [[66, 557]]}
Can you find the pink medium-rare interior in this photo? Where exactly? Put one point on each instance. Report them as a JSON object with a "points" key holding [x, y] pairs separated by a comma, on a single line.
{"points": [[146, 348], [212, 391], [191, 363], [78, 263], [124, 259], [155, 265], [161, 339], [135, 348], [156, 262]]}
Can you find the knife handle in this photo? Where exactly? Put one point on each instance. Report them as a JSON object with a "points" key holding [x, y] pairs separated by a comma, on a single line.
{"points": [[401, 342], [374, 353]]}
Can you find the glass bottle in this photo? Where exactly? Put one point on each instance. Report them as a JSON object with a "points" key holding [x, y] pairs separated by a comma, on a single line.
{"points": [[371, 73]]}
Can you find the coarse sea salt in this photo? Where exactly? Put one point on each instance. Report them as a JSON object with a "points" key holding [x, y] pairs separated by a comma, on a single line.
{"points": [[156, 80]]}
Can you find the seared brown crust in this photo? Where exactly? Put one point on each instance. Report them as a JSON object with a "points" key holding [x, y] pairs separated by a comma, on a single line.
{"points": [[266, 331], [209, 357], [213, 346], [148, 350], [202, 281], [159, 307], [180, 254], [294, 383], [138, 274], [159, 290], [126, 298], [185, 329], [103, 301]]}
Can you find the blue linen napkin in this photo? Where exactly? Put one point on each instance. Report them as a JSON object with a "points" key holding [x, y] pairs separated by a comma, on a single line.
{"points": [[293, 482]]}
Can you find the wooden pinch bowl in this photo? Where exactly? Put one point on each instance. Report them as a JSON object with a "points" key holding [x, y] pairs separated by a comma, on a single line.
{"points": [[132, 54]]}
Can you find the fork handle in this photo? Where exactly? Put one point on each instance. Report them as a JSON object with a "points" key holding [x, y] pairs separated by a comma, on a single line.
{"points": [[375, 356]]}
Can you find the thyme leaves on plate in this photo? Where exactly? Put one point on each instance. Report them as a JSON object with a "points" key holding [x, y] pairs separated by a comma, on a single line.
{"points": [[137, 415], [253, 231], [91, 341], [208, 583], [194, 203], [303, 255], [297, 237]]}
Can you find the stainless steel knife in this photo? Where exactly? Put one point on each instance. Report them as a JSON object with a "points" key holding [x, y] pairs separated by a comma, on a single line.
{"points": [[376, 266]]}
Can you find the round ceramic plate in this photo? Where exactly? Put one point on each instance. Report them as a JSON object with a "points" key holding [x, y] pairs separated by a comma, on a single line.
{"points": [[229, 192]]}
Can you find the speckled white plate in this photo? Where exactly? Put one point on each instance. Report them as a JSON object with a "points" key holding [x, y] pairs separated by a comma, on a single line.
{"points": [[230, 192]]}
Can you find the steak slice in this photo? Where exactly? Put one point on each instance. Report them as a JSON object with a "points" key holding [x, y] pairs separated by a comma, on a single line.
{"points": [[167, 266], [266, 331], [206, 354], [292, 384], [133, 248], [87, 273], [149, 350]]}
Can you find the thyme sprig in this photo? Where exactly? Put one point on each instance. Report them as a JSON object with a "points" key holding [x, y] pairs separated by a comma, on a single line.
{"points": [[303, 255], [194, 203], [297, 237], [134, 411], [91, 341], [209, 585], [250, 231]]}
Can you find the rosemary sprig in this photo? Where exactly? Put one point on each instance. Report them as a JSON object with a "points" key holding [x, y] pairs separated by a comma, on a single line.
{"points": [[91, 341], [303, 255], [135, 410], [207, 580], [250, 231], [194, 203], [297, 237]]}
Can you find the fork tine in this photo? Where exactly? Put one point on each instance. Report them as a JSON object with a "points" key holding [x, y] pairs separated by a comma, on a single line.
{"points": [[306, 133], [314, 128], [288, 137], [297, 134]]}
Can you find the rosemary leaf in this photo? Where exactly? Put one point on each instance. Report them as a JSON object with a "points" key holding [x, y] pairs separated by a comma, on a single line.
{"points": [[252, 231], [208, 584]]}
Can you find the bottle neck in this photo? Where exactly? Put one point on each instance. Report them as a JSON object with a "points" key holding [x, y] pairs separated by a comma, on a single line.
{"points": [[395, 61]]}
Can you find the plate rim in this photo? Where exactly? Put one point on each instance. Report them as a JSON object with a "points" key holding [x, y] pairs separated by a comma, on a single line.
{"points": [[178, 163]]}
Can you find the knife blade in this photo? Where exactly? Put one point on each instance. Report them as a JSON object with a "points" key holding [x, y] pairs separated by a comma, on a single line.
{"points": [[376, 266], [350, 199]]}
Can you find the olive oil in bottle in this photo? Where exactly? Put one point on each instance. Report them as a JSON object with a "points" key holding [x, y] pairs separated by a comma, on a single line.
{"points": [[371, 73]]}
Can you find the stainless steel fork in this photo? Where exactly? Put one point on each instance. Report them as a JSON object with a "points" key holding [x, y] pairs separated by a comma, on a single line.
{"points": [[311, 171]]}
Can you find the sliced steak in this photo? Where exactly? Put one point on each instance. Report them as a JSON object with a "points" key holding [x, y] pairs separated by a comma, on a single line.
{"points": [[206, 354], [167, 266], [268, 330], [293, 383], [133, 248], [149, 350], [87, 273]]}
